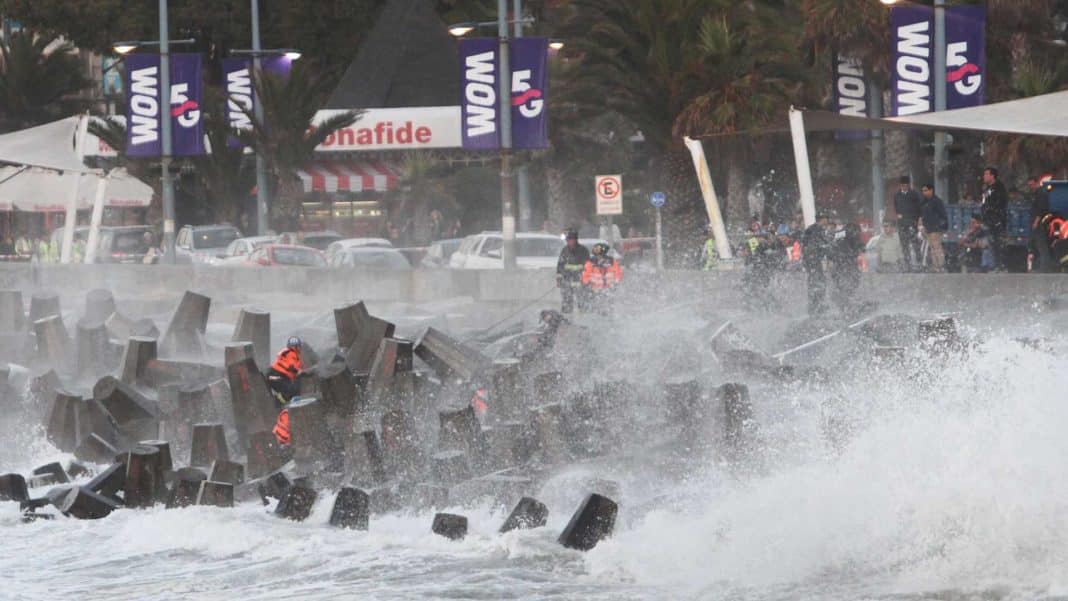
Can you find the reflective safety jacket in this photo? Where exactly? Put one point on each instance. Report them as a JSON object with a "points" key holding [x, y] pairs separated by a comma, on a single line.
{"points": [[710, 254], [602, 274], [1058, 229], [281, 428], [480, 402], [288, 363], [23, 246], [571, 262]]}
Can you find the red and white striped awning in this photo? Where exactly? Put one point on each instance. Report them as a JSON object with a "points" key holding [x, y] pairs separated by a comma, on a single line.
{"points": [[351, 176]]}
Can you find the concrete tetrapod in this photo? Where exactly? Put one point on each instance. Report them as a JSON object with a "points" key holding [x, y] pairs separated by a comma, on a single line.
{"points": [[110, 481], [592, 522], [254, 325], [99, 305], [264, 455], [186, 487], [94, 351], [209, 445], [216, 494], [229, 472], [13, 488], [296, 502], [144, 477], [185, 333], [451, 526], [12, 312], [253, 406], [352, 509], [139, 352], [53, 342], [528, 513], [84, 504], [43, 303], [52, 473], [95, 449]]}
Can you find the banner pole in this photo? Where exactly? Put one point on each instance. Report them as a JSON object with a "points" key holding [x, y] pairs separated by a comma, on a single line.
{"points": [[165, 128]]}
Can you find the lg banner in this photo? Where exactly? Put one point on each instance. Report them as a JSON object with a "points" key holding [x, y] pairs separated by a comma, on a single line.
{"points": [[479, 104], [912, 31], [850, 93], [143, 135]]}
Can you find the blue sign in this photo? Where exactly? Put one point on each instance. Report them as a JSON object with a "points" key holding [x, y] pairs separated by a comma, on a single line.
{"points": [[658, 199]]}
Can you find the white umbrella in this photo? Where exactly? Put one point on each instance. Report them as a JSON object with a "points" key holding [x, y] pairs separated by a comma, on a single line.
{"points": [[41, 190]]}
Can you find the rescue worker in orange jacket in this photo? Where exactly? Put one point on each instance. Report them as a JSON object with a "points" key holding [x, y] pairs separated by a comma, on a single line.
{"points": [[285, 370], [602, 273]]}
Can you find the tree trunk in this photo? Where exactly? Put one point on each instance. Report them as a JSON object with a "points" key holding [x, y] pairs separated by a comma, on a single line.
{"points": [[563, 211], [684, 214]]}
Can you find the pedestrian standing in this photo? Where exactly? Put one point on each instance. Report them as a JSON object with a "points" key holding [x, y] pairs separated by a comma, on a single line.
{"points": [[845, 271], [24, 247], [1039, 244], [995, 213], [569, 268], [935, 223], [815, 245], [907, 205]]}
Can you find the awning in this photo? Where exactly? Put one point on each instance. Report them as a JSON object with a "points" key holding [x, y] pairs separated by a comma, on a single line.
{"points": [[44, 190], [351, 176]]}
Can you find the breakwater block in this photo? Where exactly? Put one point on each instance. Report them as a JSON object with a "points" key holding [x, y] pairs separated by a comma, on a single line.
{"points": [[64, 424], [254, 408], [739, 426], [216, 494], [43, 303], [110, 481], [352, 509], [296, 503], [12, 313], [209, 445], [392, 357], [592, 523], [30, 517], [94, 351], [185, 333], [135, 359], [78, 470], [367, 458], [84, 504], [52, 473], [166, 463], [227, 471], [13, 488], [308, 429], [448, 357], [254, 325], [144, 478], [528, 513], [450, 525], [125, 404], [450, 467], [95, 449], [547, 429], [186, 487], [99, 304], [365, 332], [264, 454], [338, 389], [939, 334], [238, 351], [53, 341], [275, 486], [459, 429]]}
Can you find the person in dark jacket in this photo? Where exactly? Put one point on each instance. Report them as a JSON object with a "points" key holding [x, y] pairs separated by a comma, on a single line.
{"points": [[844, 269], [1042, 260], [569, 269], [907, 205], [816, 245], [995, 212], [935, 222]]}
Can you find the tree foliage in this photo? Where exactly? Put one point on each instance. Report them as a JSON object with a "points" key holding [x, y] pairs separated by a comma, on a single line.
{"points": [[39, 78]]}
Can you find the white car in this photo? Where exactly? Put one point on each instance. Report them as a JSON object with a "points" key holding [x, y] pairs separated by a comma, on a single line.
{"points": [[340, 245], [239, 250], [370, 257], [483, 251]]}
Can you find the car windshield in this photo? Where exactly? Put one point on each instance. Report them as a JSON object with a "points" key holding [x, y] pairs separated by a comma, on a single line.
{"points": [[539, 247], [302, 257], [320, 242], [220, 238], [380, 260], [129, 243]]}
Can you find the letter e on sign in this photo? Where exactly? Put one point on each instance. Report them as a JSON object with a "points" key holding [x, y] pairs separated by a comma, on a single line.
{"points": [[609, 194]]}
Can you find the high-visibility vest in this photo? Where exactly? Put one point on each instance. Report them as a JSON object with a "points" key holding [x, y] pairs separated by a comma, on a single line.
{"points": [[1058, 228], [602, 278], [793, 252], [281, 428], [288, 363], [480, 402], [23, 247], [711, 254]]}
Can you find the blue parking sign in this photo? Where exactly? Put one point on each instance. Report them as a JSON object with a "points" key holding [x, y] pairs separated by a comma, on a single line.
{"points": [[658, 199]]}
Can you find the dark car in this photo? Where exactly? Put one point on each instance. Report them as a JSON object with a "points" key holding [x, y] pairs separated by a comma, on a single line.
{"points": [[203, 243], [123, 244]]}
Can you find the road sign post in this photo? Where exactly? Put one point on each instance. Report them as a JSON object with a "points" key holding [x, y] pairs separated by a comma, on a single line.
{"points": [[609, 190], [658, 199]]}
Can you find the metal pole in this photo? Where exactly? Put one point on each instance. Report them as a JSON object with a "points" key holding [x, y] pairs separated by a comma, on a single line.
{"points": [[507, 189], [659, 242], [878, 184], [517, 17], [165, 128], [257, 108], [522, 173], [804, 170], [940, 172]]}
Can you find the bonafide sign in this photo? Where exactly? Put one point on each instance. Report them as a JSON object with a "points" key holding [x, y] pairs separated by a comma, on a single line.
{"points": [[395, 129]]}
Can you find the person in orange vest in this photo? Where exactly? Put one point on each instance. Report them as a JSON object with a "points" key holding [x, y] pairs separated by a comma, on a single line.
{"points": [[480, 402], [602, 273], [281, 428], [287, 367]]}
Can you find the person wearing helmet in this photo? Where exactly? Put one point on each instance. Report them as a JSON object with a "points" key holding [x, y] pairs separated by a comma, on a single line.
{"points": [[285, 370], [709, 254], [602, 273], [569, 268]]}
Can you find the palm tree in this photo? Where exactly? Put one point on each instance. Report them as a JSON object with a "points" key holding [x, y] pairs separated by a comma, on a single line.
{"points": [[287, 136], [684, 67], [39, 78]]}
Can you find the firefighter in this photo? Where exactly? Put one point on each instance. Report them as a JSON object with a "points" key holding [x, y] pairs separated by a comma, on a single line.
{"points": [[709, 254], [844, 269], [285, 370], [569, 268], [816, 246], [602, 273]]}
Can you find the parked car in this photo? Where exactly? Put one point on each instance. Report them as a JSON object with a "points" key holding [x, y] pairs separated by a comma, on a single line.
{"points": [[319, 240], [369, 257], [439, 253], [203, 243], [124, 244], [483, 251], [239, 250], [272, 255], [340, 245]]}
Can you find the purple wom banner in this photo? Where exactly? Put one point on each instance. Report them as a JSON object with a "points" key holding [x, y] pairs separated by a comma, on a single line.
{"points": [[143, 132], [241, 92], [850, 94], [965, 56], [530, 80], [479, 107], [912, 32]]}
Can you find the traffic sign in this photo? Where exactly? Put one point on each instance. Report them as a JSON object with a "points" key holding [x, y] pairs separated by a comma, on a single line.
{"points": [[658, 199], [609, 194]]}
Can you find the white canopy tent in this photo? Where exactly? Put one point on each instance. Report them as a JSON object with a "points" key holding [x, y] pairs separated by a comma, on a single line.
{"points": [[47, 173], [1043, 115]]}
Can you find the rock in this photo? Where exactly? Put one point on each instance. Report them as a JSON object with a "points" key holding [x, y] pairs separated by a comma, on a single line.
{"points": [[352, 509], [254, 325], [451, 526], [95, 449], [227, 471], [216, 494], [296, 503], [592, 522], [528, 513], [135, 359], [84, 504], [13, 488], [185, 333], [209, 445]]}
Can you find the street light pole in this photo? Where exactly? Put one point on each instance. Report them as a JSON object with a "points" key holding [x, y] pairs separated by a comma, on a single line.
{"points": [[508, 246], [522, 173], [257, 108], [941, 179], [165, 134]]}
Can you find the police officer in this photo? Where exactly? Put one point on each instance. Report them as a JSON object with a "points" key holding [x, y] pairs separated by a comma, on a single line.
{"points": [[569, 268], [816, 247]]}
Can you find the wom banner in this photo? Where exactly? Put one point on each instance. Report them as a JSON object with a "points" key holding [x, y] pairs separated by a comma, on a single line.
{"points": [[912, 30], [850, 93], [480, 105], [241, 91], [143, 132]]}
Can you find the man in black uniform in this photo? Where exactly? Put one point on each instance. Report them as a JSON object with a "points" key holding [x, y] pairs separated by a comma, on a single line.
{"points": [[569, 268], [1042, 262], [907, 205], [815, 248], [995, 212], [844, 269]]}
